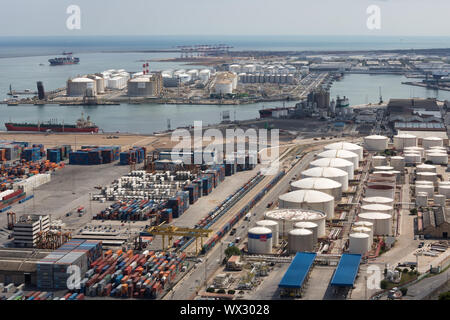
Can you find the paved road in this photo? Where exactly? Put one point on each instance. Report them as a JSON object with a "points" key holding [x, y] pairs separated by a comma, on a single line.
{"points": [[427, 286]]}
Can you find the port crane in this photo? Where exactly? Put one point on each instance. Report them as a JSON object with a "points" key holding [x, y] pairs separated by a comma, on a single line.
{"points": [[173, 231]]}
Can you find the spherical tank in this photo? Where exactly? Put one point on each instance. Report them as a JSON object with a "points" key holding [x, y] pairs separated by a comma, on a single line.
{"points": [[343, 164], [260, 240], [335, 174], [358, 243], [376, 143], [382, 222], [325, 185], [300, 240], [272, 225], [287, 218], [308, 199]]}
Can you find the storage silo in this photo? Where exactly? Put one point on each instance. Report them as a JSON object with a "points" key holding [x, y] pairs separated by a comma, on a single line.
{"points": [[358, 243], [432, 142], [422, 199], [425, 168], [273, 226], [342, 154], [335, 174], [380, 190], [376, 143], [328, 186], [300, 240], [308, 225], [428, 189], [343, 164], [380, 200], [404, 140], [412, 158], [377, 207], [287, 218], [260, 240], [308, 199], [378, 161], [398, 163], [437, 158], [346, 146], [427, 176], [382, 222], [439, 200]]}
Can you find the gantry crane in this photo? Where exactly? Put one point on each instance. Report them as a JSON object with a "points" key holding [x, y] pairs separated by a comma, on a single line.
{"points": [[171, 231]]}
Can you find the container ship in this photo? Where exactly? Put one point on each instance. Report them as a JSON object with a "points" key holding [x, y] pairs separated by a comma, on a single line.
{"points": [[82, 125], [64, 61]]}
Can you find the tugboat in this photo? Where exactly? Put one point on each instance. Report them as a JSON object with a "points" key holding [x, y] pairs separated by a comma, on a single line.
{"points": [[82, 125]]}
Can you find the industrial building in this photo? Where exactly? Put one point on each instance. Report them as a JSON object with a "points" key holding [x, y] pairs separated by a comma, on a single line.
{"points": [[27, 229]]}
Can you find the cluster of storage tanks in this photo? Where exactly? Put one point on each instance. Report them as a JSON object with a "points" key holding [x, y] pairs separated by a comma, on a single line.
{"points": [[172, 78], [265, 69], [266, 78]]}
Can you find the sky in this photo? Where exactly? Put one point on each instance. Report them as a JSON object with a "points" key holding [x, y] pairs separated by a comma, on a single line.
{"points": [[225, 17]]}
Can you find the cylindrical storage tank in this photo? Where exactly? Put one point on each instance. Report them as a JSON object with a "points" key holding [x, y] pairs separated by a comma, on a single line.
{"points": [[78, 87], [437, 149], [428, 183], [412, 158], [428, 189], [260, 240], [358, 243], [432, 142], [380, 190], [366, 230], [426, 176], [398, 163], [335, 174], [308, 199], [382, 222], [309, 226], [439, 200], [426, 168], [342, 154], [405, 140], [378, 161], [383, 168], [273, 226], [325, 185], [444, 189], [346, 146], [379, 200], [422, 199], [342, 164], [376, 143], [437, 158], [376, 207], [100, 84], [300, 240], [419, 150], [287, 218]]}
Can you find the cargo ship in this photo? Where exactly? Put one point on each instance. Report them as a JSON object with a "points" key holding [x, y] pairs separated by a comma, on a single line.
{"points": [[82, 125], [64, 61]]}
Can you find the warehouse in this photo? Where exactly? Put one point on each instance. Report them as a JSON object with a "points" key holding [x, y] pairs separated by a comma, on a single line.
{"points": [[435, 223], [293, 282]]}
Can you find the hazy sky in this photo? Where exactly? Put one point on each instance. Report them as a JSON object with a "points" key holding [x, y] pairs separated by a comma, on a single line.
{"points": [[225, 17]]}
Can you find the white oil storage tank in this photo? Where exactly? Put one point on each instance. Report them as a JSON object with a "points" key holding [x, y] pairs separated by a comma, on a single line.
{"points": [[404, 140], [260, 240], [429, 142], [412, 158], [346, 146], [382, 222], [419, 150], [272, 225], [342, 164], [376, 143], [308, 199], [358, 243], [425, 188], [335, 174], [342, 154], [309, 226], [300, 240], [439, 200], [422, 199], [328, 186], [366, 230], [287, 218], [377, 207], [444, 189], [378, 161], [425, 168], [437, 158], [380, 190], [383, 168], [427, 176], [379, 200], [398, 163]]}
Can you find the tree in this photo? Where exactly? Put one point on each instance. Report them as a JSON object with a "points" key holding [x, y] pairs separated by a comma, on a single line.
{"points": [[383, 284], [232, 251], [444, 296], [404, 291], [413, 211], [221, 291], [210, 290], [231, 291]]}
